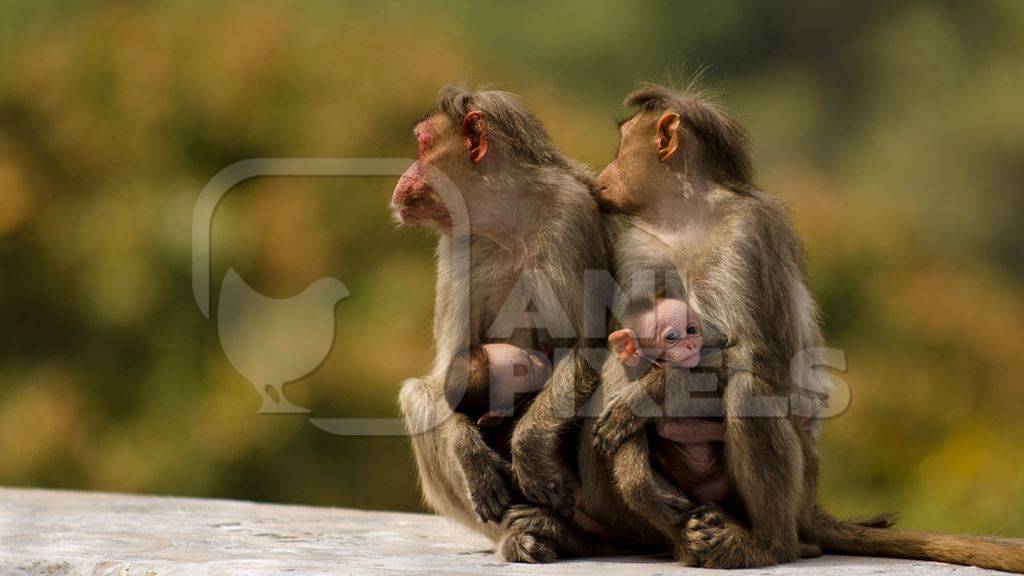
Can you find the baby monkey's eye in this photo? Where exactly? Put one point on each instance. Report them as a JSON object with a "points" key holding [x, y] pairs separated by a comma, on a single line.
{"points": [[692, 330], [672, 337]]}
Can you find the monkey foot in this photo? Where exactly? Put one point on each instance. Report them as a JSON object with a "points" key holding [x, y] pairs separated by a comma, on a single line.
{"points": [[715, 541], [521, 543]]}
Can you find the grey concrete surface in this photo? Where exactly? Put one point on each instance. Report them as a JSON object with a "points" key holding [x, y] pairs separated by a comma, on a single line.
{"points": [[74, 533]]}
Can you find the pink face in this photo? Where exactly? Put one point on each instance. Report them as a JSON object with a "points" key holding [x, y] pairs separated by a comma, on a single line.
{"points": [[668, 334], [442, 149], [414, 201]]}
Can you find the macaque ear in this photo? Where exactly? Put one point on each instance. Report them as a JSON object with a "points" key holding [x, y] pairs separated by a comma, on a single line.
{"points": [[668, 135], [474, 131], [626, 346]]}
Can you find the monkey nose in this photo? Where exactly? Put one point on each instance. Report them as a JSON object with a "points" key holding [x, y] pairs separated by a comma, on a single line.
{"points": [[407, 191]]}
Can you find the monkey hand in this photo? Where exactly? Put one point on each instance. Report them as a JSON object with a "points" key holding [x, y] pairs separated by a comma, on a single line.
{"points": [[488, 488], [615, 425]]}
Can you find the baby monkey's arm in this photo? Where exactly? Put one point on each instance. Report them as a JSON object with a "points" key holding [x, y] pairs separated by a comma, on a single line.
{"points": [[630, 411], [667, 334]]}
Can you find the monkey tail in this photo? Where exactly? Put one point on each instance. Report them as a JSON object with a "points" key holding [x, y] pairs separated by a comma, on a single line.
{"points": [[873, 537]]}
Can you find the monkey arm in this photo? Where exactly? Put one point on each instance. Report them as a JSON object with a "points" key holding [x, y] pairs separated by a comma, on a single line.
{"points": [[573, 244], [648, 494], [484, 471], [466, 476], [441, 469], [536, 440], [620, 434], [629, 411], [459, 472], [755, 302]]}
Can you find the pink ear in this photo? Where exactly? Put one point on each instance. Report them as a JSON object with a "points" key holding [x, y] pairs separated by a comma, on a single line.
{"points": [[626, 345], [474, 130]]}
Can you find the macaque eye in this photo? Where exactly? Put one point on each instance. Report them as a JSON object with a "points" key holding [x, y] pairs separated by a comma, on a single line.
{"points": [[672, 337], [692, 330]]}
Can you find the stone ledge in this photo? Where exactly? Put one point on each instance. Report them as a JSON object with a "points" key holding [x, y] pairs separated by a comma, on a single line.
{"points": [[74, 533]]}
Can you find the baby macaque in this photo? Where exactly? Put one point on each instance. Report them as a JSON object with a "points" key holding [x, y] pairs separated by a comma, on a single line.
{"points": [[668, 334], [510, 371]]}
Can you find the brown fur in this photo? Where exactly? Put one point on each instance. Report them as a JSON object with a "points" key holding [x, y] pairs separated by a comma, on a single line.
{"points": [[732, 252], [871, 538], [533, 230]]}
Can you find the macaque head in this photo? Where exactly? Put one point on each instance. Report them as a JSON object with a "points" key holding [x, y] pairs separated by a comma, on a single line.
{"points": [[468, 150], [511, 371], [648, 144], [667, 333], [444, 147], [673, 137]]}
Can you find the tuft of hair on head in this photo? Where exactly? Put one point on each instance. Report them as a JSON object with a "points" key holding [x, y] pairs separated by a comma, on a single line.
{"points": [[508, 120], [638, 305], [723, 140]]}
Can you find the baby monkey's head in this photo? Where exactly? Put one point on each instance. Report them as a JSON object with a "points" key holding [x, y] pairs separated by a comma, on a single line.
{"points": [[667, 333]]}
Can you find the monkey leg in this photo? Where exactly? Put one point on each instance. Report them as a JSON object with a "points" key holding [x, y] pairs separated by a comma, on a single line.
{"points": [[536, 440], [537, 535], [765, 462], [461, 477], [650, 496]]}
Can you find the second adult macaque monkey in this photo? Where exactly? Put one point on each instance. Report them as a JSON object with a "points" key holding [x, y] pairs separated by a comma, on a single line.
{"points": [[684, 201], [518, 226]]}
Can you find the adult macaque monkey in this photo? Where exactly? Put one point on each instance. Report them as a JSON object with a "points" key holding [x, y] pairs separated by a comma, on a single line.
{"points": [[683, 199], [518, 226]]}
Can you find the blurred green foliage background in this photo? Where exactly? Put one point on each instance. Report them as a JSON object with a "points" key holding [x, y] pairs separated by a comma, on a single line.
{"points": [[894, 130]]}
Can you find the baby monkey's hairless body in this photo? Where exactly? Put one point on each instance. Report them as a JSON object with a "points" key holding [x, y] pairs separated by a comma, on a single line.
{"points": [[668, 334]]}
